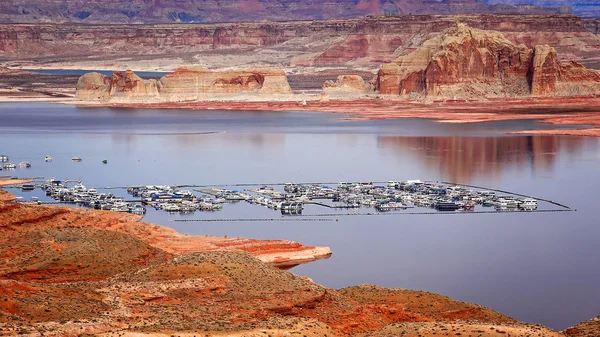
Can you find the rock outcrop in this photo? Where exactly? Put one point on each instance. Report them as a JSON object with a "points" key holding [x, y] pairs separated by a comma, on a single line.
{"points": [[583, 329], [468, 63], [121, 87], [92, 87], [347, 83], [346, 87], [128, 87], [184, 85]]}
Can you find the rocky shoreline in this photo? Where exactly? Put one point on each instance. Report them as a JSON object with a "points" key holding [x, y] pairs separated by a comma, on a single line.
{"points": [[279, 253]]}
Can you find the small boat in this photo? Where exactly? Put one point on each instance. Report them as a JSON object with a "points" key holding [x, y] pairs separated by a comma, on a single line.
{"points": [[25, 164], [76, 159], [3, 157], [528, 204], [445, 206], [104, 161], [9, 166], [48, 158], [27, 187]]}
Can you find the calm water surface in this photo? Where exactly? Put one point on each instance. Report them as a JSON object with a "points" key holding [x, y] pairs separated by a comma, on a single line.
{"points": [[537, 267]]}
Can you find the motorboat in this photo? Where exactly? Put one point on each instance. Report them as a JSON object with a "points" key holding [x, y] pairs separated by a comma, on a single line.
{"points": [[9, 166], [79, 187], [76, 159], [528, 204], [3, 158], [25, 164], [446, 206], [48, 158], [170, 207]]}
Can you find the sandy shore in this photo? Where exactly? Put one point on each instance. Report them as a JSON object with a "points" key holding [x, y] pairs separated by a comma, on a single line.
{"points": [[11, 182]]}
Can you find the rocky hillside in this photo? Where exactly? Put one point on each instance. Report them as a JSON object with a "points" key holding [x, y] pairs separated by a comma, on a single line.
{"points": [[30, 223], [165, 11], [468, 63], [69, 272], [586, 8], [585, 329]]}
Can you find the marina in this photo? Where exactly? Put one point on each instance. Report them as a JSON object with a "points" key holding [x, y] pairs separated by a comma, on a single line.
{"points": [[291, 199]]}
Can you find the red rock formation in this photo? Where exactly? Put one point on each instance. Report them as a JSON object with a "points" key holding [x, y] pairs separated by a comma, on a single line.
{"points": [[194, 84], [92, 87], [469, 63], [350, 83], [121, 87], [199, 83], [545, 71], [346, 87], [130, 86]]}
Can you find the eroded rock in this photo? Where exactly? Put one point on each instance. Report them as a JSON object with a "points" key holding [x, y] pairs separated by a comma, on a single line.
{"points": [[93, 87], [183, 85], [468, 63]]}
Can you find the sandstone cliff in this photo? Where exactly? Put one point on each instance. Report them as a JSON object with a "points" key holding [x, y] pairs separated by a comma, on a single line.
{"points": [[93, 86], [184, 85], [346, 87], [468, 63]]}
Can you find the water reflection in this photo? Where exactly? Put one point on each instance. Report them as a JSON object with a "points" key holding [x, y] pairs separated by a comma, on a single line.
{"points": [[460, 159], [190, 141]]}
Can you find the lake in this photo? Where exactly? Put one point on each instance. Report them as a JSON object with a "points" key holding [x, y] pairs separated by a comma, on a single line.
{"points": [[535, 267]]}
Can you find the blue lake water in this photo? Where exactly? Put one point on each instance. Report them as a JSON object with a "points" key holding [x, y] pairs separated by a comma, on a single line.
{"points": [[535, 267]]}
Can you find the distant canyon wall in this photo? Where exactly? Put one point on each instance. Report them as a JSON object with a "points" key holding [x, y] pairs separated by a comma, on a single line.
{"points": [[585, 8], [362, 42], [207, 11]]}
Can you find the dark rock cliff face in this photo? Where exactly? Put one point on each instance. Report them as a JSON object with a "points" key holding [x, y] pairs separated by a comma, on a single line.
{"points": [[586, 8], [166, 11]]}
